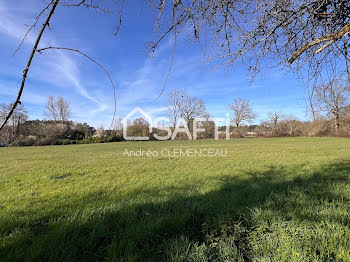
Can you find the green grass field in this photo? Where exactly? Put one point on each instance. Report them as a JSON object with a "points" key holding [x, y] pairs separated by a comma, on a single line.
{"points": [[280, 199]]}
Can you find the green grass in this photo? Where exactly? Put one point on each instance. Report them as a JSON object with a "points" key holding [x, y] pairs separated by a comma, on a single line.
{"points": [[278, 199]]}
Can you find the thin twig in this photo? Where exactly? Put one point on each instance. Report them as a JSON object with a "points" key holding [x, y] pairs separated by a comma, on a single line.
{"points": [[172, 60], [120, 19], [94, 61], [32, 27], [87, 5]]}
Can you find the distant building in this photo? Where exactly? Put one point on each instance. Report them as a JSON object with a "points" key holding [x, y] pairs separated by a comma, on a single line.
{"points": [[251, 133]]}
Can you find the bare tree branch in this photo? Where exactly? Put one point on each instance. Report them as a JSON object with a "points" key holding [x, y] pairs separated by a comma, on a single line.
{"points": [[331, 38], [25, 71], [117, 28], [32, 27], [94, 61], [172, 59], [89, 5]]}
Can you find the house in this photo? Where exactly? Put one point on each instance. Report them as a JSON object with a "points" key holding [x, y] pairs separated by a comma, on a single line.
{"points": [[251, 134]]}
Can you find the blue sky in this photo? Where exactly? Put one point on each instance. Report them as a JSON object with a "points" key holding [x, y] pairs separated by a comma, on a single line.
{"points": [[138, 77]]}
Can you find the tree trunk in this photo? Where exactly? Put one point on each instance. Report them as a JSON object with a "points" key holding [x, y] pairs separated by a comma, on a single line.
{"points": [[18, 124], [237, 129], [337, 124], [274, 127]]}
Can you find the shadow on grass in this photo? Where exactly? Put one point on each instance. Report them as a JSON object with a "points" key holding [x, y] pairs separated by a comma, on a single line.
{"points": [[186, 228]]}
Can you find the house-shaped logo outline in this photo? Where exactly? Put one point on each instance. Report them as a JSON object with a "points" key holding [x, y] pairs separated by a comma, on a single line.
{"points": [[125, 124]]}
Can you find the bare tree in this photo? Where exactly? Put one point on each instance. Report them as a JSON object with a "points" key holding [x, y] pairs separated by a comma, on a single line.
{"points": [[209, 127], [57, 109], [118, 127], [274, 117], [139, 127], [332, 97], [50, 111], [291, 125], [243, 112], [192, 107], [175, 97], [185, 106], [19, 116], [64, 109]]}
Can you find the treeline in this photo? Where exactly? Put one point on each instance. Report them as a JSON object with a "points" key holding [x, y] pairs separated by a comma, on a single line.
{"points": [[59, 130], [329, 106], [48, 132], [22, 132], [286, 125]]}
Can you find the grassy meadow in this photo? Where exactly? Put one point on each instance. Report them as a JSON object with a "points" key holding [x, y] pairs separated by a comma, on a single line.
{"points": [[273, 199]]}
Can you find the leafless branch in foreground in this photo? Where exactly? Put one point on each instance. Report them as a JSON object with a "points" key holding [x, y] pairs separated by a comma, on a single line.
{"points": [[172, 59], [37, 19], [300, 35], [90, 4], [25, 71], [331, 38], [94, 61]]}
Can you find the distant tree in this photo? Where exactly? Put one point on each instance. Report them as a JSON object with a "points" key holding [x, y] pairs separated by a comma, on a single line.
{"points": [[274, 117], [12, 130], [51, 109], [346, 111], [192, 107], [185, 106], [265, 128], [118, 127], [209, 127], [100, 132], [332, 98], [54, 131], [243, 112], [64, 110], [88, 130], [139, 127], [58, 109], [175, 97], [290, 125]]}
